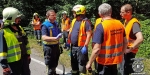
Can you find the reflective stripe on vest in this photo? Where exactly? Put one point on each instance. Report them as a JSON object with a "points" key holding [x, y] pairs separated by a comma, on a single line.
{"points": [[82, 34], [14, 51], [3, 55], [110, 55], [128, 28], [12, 47], [112, 46]]}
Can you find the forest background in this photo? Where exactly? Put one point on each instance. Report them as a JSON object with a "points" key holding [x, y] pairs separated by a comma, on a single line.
{"points": [[141, 11]]}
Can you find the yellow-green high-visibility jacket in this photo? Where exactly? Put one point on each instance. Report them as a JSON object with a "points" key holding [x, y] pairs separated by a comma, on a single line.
{"points": [[13, 52]]}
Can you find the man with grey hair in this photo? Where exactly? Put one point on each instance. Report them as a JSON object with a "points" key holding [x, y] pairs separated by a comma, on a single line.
{"points": [[109, 43], [50, 36]]}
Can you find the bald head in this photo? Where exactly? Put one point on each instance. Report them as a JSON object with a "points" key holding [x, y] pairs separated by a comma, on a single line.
{"points": [[127, 7]]}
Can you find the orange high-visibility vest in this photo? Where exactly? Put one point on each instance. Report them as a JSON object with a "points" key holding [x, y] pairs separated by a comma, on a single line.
{"points": [[82, 34], [36, 27], [98, 21], [112, 46], [128, 28], [65, 24]]}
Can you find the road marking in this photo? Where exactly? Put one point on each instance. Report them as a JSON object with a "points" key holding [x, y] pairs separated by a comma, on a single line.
{"points": [[42, 63]]}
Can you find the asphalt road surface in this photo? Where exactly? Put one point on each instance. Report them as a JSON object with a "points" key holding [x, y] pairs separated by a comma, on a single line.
{"points": [[38, 67]]}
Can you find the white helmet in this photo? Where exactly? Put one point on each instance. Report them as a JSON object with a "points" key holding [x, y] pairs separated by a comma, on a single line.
{"points": [[64, 12], [10, 14], [35, 14]]}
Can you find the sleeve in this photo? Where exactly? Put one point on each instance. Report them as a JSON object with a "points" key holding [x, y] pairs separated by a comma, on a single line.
{"points": [[59, 30], [98, 36], [44, 30], [26, 41], [88, 26], [3, 50], [136, 28]]}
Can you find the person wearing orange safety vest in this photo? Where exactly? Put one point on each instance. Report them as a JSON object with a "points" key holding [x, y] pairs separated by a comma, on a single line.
{"points": [[79, 38], [97, 22], [134, 37], [110, 43], [14, 46], [37, 27], [65, 26]]}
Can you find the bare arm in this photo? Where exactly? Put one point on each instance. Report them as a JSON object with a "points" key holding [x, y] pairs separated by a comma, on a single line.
{"points": [[138, 41], [95, 52], [88, 33], [47, 38]]}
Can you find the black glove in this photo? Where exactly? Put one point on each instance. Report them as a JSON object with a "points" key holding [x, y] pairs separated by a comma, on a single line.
{"points": [[6, 71]]}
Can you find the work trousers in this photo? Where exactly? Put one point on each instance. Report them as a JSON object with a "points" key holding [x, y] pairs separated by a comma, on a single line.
{"points": [[128, 63], [37, 34], [25, 70], [65, 36], [78, 60], [51, 56], [107, 69], [15, 67]]}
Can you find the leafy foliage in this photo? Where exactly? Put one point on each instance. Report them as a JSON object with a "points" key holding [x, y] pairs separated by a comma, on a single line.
{"points": [[28, 7], [144, 50]]}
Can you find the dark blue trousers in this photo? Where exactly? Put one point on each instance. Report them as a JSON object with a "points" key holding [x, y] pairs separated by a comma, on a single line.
{"points": [[51, 56]]}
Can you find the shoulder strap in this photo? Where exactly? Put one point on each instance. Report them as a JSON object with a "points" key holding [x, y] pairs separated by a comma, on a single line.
{"points": [[47, 24]]}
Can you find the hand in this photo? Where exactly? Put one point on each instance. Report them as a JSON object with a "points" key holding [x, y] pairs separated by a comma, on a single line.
{"points": [[6, 71], [59, 36], [88, 66], [127, 51], [84, 50], [37, 23]]}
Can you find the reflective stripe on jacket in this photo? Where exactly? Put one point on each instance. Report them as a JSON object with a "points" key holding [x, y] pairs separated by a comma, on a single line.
{"points": [[82, 34], [128, 28], [65, 24], [52, 31], [36, 27], [112, 46], [14, 52]]}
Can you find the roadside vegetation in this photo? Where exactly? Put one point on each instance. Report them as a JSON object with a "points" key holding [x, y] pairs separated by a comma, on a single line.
{"points": [[28, 7]]}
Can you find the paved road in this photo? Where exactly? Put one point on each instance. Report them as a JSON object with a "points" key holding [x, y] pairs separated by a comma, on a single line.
{"points": [[38, 67]]}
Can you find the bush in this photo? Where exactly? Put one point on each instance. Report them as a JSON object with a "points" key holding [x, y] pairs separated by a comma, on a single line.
{"points": [[144, 50]]}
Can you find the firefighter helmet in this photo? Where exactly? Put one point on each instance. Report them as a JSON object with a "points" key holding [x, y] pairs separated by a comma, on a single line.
{"points": [[35, 14], [64, 12], [79, 9], [9, 15]]}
